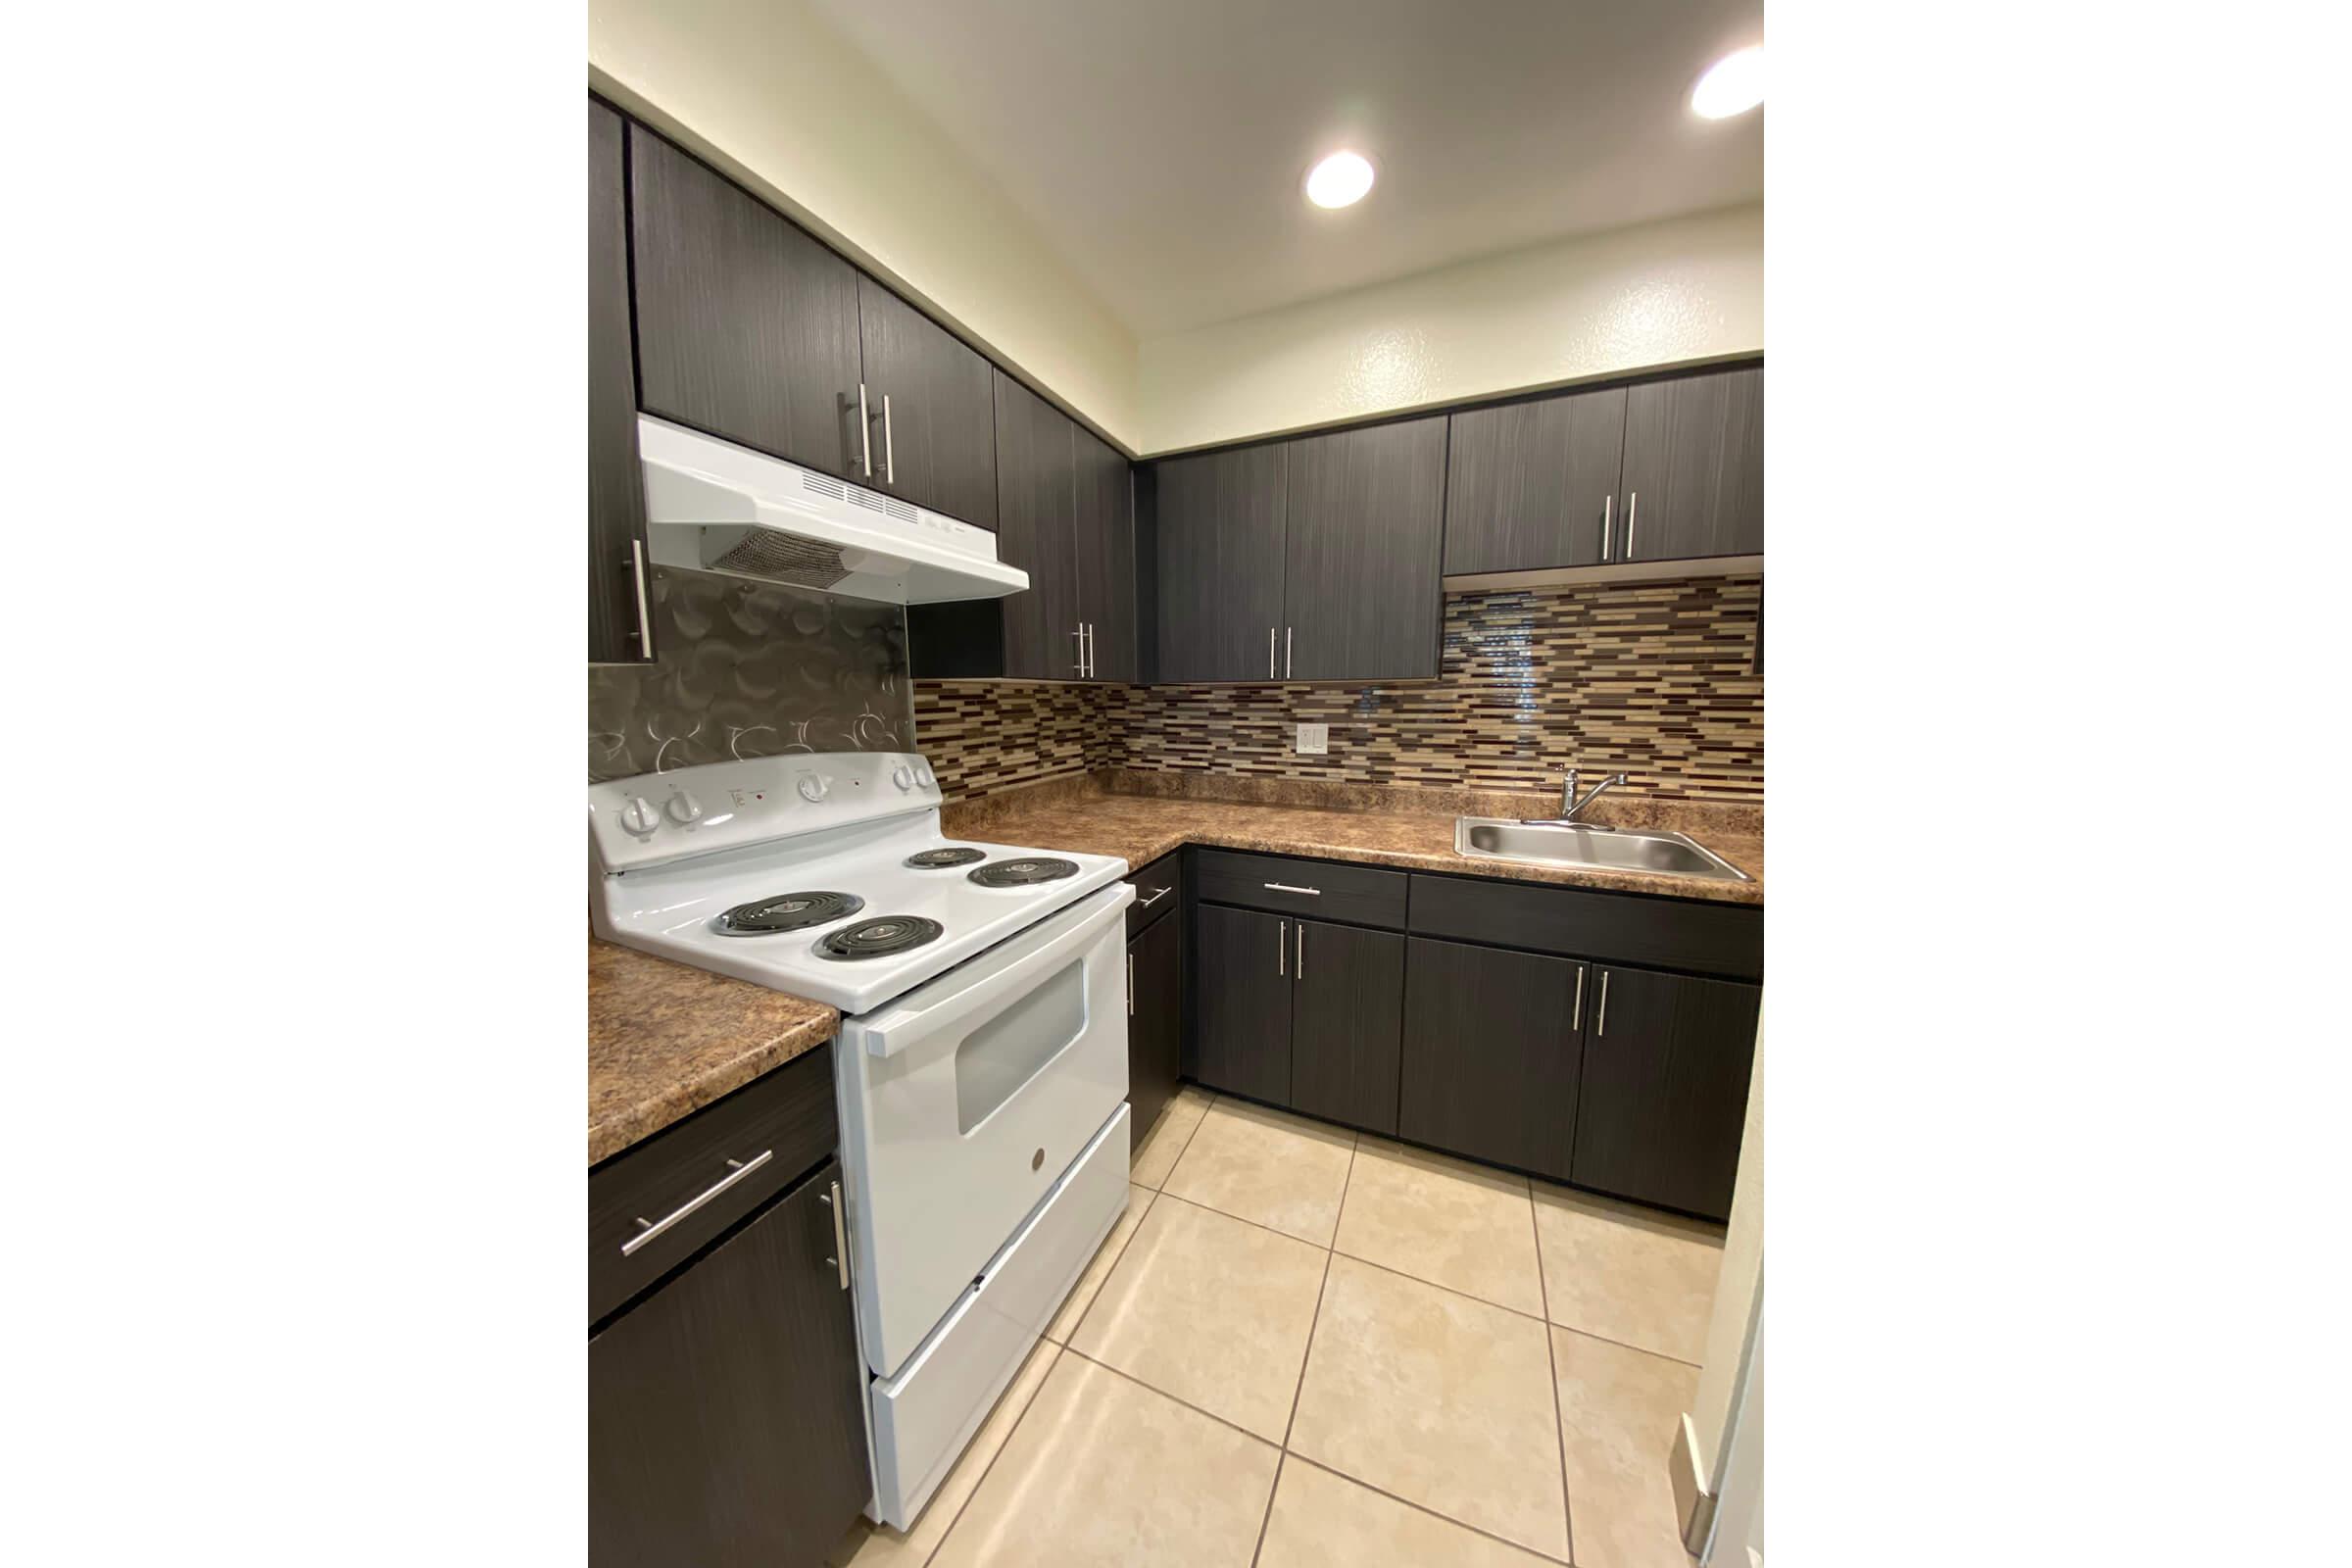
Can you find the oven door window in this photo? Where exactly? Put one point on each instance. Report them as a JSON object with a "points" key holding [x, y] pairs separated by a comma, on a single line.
{"points": [[995, 1061]]}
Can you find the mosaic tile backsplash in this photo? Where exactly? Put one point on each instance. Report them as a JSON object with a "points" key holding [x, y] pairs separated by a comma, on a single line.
{"points": [[1655, 680], [750, 669]]}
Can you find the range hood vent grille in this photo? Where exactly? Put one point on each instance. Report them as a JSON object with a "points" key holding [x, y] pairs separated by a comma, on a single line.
{"points": [[781, 558]]}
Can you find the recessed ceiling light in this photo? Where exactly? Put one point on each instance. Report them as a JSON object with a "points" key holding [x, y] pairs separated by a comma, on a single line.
{"points": [[1339, 181], [1733, 86]]}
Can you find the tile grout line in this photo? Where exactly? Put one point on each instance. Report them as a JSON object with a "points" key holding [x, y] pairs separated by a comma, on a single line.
{"points": [[1281, 1459], [1313, 1463], [1322, 1285], [1177, 1399], [1101, 1284], [1551, 1355], [1198, 1124], [990, 1468]]}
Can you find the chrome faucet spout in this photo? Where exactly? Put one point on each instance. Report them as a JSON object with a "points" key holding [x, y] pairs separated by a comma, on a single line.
{"points": [[1571, 806]]}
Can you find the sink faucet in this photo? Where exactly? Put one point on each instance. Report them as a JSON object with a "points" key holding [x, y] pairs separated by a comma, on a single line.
{"points": [[1571, 806]]}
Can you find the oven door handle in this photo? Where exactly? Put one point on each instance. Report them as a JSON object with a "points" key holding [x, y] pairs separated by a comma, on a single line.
{"points": [[985, 984]]}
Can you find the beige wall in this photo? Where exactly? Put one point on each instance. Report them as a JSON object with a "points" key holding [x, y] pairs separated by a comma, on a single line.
{"points": [[769, 91], [1686, 289]]}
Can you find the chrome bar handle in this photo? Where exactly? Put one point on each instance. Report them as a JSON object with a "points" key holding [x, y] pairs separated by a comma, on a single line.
{"points": [[1575, 1019], [1285, 887], [1131, 985], [649, 1229], [866, 433], [841, 1243], [1600, 1024], [1157, 894], [1299, 968], [1633, 509], [890, 461], [1080, 634], [1286, 652], [1606, 503], [1269, 653], [1282, 949], [1091, 672], [645, 609]]}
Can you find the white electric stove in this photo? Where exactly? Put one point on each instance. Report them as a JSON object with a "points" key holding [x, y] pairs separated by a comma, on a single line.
{"points": [[981, 1072]]}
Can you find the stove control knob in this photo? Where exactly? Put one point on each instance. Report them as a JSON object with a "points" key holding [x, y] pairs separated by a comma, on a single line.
{"points": [[923, 774], [814, 786], [903, 777], [639, 815], [684, 807]]}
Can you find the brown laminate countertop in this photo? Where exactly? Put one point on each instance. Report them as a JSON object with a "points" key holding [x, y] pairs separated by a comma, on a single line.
{"points": [[666, 1039], [1139, 828]]}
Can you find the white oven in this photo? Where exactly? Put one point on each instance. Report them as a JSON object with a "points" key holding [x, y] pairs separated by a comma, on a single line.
{"points": [[984, 1146]]}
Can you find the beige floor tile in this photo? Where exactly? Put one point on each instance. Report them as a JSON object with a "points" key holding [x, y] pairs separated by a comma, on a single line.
{"points": [[1211, 1309], [1266, 1166], [1098, 1268], [1443, 1220], [1106, 1471], [1155, 1155], [1325, 1521], [1627, 1274], [1437, 1398], [1618, 1411], [875, 1545]]}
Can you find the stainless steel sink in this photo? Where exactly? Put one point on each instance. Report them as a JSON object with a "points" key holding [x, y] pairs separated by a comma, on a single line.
{"points": [[1607, 848]]}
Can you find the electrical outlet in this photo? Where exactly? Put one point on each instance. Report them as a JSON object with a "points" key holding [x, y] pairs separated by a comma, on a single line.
{"points": [[1315, 739]]}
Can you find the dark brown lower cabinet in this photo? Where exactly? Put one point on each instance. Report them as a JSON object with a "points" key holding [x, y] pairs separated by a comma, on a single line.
{"points": [[1155, 1022], [725, 1421], [1347, 1010], [1665, 1088], [1491, 1052], [1243, 1033]]}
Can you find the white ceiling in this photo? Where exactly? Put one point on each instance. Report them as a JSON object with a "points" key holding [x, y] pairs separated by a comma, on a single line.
{"points": [[1160, 147]]}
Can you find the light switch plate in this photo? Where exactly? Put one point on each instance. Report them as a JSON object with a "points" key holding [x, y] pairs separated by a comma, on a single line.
{"points": [[1315, 739]]}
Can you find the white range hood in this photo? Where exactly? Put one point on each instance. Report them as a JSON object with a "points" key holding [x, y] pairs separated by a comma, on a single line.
{"points": [[712, 506]]}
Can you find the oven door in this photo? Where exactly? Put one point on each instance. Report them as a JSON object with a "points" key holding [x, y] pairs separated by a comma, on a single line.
{"points": [[965, 1101]]}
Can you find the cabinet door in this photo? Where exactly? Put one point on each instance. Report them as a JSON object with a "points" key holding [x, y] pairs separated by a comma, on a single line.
{"points": [[1491, 1054], [1694, 466], [1532, 485], [1220, 558], [726, 1412], [1665, 1088], [1243, 1036], [1105, 539], [1036, 509], [929, 408], [1346, 1014], [615, 485], [746, 326], [1364, 530], [1155, 1021]]}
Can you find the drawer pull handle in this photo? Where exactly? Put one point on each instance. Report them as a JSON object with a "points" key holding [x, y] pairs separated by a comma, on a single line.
{"points": [[649, 1229], [1285, 887], [840, 1244], [1157, 894]]}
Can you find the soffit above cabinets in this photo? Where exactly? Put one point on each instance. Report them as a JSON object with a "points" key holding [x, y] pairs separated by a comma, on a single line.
{"points": [[1160, 148]]}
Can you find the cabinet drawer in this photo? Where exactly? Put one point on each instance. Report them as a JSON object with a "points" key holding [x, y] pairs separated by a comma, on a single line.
{"points": [[1158, 888], [1321, 890], [777, 1126], [1617, 927]]}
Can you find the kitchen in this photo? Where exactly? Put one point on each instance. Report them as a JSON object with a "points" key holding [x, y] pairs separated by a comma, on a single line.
{"points": [[1098, 953]]}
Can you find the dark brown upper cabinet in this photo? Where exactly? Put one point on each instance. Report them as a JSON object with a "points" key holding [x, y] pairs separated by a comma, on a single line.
{"points": [[619, 601], [1694, 467], [1063, 515], [1220, 550], [1534, 485], [1363, 530], [1664, 1093], [747, 328], [930, 424]]}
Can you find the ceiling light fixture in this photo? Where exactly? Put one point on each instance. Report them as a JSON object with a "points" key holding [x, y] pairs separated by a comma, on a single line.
{"points": [[1340, 181], [1733, 86]]}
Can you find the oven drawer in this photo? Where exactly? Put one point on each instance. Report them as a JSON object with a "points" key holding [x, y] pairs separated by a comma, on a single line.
{"points": [[926, 1415], [695, 1178], [1158, 888], [1320, 890]]}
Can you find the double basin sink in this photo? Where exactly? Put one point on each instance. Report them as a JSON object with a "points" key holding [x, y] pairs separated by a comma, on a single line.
{"points": [[1590, 845]]}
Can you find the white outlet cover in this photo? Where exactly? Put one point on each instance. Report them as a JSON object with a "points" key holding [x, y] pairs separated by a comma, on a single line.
{"points": [[1315, 739]]}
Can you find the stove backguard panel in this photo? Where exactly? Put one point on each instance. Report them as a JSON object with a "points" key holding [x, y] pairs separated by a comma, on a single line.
{"points": [[750, 669]]}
